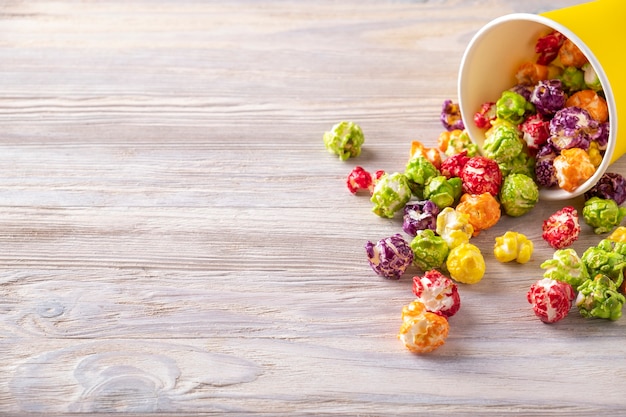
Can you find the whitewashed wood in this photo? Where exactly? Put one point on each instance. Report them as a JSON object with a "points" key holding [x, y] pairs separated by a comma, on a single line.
{"points": [[175, 239]]}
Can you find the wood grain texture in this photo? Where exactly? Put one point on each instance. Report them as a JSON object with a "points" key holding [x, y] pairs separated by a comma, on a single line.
{"points": [[176, 240]]}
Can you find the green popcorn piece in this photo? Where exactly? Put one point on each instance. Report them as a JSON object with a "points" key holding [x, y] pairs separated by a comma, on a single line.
{"points": [[429, 250], [513, 107], [592, 81], [503, 143], [520, 164], [573, 79], [419, 170], [599, 297], [518, 194], [390, 194], [566, 266], [603, 214], [442, 191], [604, 259], [459, 143], [345, 139]]}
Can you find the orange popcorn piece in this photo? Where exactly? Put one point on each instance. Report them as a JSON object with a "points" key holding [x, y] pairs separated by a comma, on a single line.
{"points": [[432, 154], [571, 56], [421, 330], [531, 73], [483, 210], [572, 168], [590, 101]]}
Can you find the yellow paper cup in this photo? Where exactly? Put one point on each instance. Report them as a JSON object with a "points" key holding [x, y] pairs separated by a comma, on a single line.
{"points": [[496, 51]]}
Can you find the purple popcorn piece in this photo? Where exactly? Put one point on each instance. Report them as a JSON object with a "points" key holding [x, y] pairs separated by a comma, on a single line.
{"points": [[570, 127], [523, 90], [544, 166], [610, 186], [389, 257], [420, 215], [451, 116], [548, 97]]}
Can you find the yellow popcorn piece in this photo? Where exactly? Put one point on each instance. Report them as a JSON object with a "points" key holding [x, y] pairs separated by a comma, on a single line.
{"points": [[466, 264], [594, 154], [618, 235], [454, 227], [513, 246]]}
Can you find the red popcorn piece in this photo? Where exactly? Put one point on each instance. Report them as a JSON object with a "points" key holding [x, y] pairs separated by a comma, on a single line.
{"points": [[551, 299], [481, 175], [562, 228], [359, 179], [486, 114], [453, 166], [438, 293], [548, 47], [535, 132]]}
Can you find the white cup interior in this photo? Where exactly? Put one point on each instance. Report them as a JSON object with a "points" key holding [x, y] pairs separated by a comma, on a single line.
{"points": [[488, 68]]}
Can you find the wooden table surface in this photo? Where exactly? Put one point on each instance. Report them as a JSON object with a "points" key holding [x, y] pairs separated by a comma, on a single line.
{"points": [[176, 239]]}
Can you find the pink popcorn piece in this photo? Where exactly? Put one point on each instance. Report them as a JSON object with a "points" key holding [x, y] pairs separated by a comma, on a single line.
{"points": [[481, 175], [486, 115], [548, 47], [551, 300], [562, 228], [438, 293], [535, 132], [359, 179], [453, 165]]}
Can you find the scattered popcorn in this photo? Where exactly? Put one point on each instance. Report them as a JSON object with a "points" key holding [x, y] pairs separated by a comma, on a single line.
{"points": [[419, 215], [603, 214], [618, 235], [438, 293], [466, 263], [518, 194], [566, 266], [551, 300], [359, 179], [344, 139], [454, 227], [606, 258], [429, 250], [451, 116], [513, 246], [431, 154], [456, 141], [421, 330], [599, 298], [562, 228], [389, 257], [443, 191], [611, 185], [419, 170], [390, 194], [483, 210], [481, 175], [453, 165]]}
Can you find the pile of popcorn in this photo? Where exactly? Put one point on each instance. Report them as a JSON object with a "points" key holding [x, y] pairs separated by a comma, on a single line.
{"points": [[536, 135]]}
